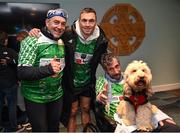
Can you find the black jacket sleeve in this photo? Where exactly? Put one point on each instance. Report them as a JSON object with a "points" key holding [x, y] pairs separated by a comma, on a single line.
{"points": [[34, 73]]}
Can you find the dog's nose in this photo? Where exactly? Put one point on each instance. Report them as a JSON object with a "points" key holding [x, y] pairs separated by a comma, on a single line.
{"points": [[142, 78]]}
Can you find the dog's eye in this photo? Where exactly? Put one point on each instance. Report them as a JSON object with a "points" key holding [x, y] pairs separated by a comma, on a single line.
{"points": [[144, 70], [133, 71]]}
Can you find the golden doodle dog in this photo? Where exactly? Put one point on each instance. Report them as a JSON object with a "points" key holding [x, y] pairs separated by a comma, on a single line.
{"points": [[135, 109]]}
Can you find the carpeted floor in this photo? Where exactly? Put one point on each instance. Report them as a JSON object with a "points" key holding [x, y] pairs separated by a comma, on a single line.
{"points": [[168, 102]]}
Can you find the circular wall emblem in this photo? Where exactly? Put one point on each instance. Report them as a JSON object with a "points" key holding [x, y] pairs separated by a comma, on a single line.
{"points": [[124, 27]]}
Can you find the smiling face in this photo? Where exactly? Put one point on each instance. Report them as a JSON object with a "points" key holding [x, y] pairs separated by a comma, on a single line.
{"points": [[87, 23], [138, 75], [56, 25]]}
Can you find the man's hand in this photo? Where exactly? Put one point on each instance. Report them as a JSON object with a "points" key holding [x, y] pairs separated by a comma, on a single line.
{"points": [[34, 33], [168, 121], [56, 66], [102, 98]]}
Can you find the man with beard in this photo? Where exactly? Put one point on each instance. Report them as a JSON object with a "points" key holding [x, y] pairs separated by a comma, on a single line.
{"points": [[109, 86], [109, 89]]}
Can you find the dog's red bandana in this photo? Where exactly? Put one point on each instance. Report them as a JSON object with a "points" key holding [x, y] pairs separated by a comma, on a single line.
{"points": [[137, 99]]}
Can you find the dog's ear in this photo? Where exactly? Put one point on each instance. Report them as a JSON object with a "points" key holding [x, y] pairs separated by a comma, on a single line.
{"points": [[149, 91], [127, 92]]}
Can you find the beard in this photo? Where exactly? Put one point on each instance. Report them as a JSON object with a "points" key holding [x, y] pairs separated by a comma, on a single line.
{"points": [[116, 76]]}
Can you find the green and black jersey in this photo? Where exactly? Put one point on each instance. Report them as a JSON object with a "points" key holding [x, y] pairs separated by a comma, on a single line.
{"points": [[83, 55], [115, 90], [37, 53]]}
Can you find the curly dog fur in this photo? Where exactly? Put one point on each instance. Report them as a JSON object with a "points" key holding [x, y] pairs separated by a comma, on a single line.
{"points": [[137, 85]]}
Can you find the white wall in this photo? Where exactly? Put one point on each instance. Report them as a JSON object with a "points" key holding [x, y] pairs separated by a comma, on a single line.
{"points": [[161, 46]]}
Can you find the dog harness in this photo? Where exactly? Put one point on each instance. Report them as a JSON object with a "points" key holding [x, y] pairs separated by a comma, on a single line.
{"points": [[137, 99]]}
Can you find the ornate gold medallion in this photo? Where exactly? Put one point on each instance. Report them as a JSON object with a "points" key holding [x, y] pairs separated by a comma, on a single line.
{"points": [[124, 27]]}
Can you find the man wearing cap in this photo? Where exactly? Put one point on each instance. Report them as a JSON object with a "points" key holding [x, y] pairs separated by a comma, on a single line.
{"points": [[40, 68]]}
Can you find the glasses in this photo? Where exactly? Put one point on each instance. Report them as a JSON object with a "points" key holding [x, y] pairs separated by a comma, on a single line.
{"points": [[57, 12]]}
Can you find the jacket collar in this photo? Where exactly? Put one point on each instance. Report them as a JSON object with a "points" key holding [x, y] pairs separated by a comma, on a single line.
{"points": [[48, 34]]}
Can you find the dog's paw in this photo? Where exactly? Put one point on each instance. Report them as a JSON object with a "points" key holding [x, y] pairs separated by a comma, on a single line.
{"points": [[145, 128], [154, 109]]}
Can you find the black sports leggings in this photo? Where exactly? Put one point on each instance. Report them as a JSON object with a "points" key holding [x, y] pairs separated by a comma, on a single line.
{"points": [[44, 117]]}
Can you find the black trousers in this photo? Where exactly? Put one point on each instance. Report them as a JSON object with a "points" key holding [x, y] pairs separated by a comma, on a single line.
{"points": [[44, 117]]}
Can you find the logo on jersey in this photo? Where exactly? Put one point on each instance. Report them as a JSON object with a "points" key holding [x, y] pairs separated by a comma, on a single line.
{"points": [[46, 61], [82, 58]]}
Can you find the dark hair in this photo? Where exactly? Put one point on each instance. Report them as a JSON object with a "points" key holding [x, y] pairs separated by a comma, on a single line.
{"points": [[3, 37], [106, 60], [87, 10]]}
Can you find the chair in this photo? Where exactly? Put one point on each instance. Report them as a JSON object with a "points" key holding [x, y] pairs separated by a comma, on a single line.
{"points": [[103, 123]]}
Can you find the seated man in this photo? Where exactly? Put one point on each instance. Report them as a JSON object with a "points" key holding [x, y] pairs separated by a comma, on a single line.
{"points": [[108, 90]]}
